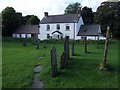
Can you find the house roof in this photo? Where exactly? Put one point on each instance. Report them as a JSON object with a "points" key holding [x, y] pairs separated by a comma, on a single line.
{"points": [[89, 30], [27, 29], [65, 18]]}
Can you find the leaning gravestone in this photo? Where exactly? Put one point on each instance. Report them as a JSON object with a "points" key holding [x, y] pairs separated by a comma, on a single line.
{"points": [[66, 48], [54, 62], [62, 62]]}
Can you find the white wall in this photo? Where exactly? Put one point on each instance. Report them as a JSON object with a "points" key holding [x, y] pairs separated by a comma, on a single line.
{"points": [[22, 35], [70, 33], [44, 32]]}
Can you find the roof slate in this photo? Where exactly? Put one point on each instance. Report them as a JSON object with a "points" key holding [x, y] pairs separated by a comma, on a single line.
{"points": [[27, 29], [89, 30], [65, 18]]}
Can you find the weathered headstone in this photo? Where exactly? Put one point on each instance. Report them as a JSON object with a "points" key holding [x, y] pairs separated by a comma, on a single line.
{"points": [[44, 44], [24, 43], [66, 48], [54, 62], [34, 39], [37, 45], [62, 62]]}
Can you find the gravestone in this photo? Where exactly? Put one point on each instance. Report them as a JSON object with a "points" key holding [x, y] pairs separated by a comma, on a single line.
{"points": [[53, 62], [34, 39], [24, 43], [44, 44], [37, 45], [66, 48], [62, 62]]}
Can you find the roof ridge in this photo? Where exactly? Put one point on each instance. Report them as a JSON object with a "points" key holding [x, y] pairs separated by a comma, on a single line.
{"points": [[62, 14]]}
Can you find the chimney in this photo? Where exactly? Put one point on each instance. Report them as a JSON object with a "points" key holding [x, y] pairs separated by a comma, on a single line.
{"points": [[46, 14]]}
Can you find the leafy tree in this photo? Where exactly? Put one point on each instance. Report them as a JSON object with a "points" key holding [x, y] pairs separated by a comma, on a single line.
{"points": [[73, 8], [33, 20], [108, 14], [87, 15], [86, 12], [25, 19], [10, 21]]}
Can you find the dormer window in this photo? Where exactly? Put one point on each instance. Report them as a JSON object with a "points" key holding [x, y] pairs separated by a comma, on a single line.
{"points": [[58, 27], [48, 27]]}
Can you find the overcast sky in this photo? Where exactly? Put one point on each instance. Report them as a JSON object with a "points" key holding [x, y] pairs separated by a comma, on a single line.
{"points": [[38, 7]]}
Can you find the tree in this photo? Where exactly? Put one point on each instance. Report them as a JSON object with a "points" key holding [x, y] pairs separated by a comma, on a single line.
{"points": [[10, 21], [25, 19], [33, 20], [103, 65], [73, 8], [108, 14], [87, 15]]}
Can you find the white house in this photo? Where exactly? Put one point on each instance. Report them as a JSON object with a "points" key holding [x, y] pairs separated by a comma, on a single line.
{"points": [[59, 26]]}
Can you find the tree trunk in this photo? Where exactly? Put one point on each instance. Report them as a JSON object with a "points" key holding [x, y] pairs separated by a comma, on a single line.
{"points": [[85, 44], [104, 66], [98, 42]]}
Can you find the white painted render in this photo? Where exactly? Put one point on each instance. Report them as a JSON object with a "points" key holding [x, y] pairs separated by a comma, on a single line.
{"points": [[21, 36], [74, 28]]}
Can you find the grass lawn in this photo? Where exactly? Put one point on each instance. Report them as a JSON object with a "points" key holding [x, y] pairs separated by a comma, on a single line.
{"points": [[82, 72]]}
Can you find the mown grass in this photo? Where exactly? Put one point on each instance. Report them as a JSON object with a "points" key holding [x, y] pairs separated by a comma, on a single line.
{"points": [[81, 72]]}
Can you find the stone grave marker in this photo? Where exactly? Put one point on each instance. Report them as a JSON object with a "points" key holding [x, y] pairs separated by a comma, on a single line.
{"points": [[37, 45], [54, 62], [62, 62], [24, 43], [44, 44], [66, 49]]}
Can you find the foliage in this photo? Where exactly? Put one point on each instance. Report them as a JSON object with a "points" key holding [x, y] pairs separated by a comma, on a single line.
{"points": [[18, 64], [86, 12], [25, 19], [33, 20], [73, 8], [108, 14], [87, 15], [13, 19], [10, 21]]}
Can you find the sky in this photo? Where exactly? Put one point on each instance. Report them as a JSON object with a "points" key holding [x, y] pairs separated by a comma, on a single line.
{"points": [[38, 7]]}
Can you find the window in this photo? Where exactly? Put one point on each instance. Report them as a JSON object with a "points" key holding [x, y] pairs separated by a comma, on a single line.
{"points": [[67, 27], [48, 27], [58, 27], [48, 36]]}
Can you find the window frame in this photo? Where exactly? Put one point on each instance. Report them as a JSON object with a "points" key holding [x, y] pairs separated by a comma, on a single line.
{"points": [[48, 28], [58, 26], [48, 36], [67, 25]]}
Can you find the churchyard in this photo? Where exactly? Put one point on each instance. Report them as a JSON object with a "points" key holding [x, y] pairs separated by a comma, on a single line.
{"points": [[81, 71]]}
